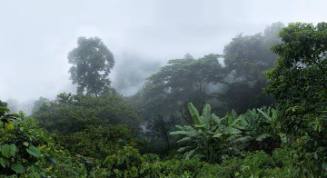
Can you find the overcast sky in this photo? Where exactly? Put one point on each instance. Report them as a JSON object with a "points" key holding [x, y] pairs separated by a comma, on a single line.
{"points": [[36, 35]]}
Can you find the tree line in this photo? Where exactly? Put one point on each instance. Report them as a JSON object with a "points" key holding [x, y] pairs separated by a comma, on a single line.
{"points": [[259, 112]]}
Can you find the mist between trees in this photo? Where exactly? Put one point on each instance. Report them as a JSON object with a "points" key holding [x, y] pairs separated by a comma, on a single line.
{"points": [[264, 113]]}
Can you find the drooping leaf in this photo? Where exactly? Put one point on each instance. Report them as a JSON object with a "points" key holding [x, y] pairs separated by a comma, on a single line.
{"points": [[18, 168], [189, 154], [183, 149], [185, 139], [33, 151], [179, 132]]}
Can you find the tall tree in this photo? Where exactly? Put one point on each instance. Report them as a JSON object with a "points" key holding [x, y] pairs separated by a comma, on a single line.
{"points": [[164, 97], [92, 62], [181, 81], [299, 81], [247, 58], [299, 84]]}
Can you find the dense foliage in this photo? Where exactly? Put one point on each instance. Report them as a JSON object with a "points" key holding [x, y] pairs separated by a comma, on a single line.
{"points": [[214, 139], [299, 84], [28, 151], [241, 131], [80, 121], [232, 81]]}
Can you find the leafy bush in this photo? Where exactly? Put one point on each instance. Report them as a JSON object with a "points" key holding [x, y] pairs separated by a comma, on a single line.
{"points": [[208, 137], [261, 165], [100, 141], [72, 113], [27, 151], [129, 163], [213, 139], [17, 147], [101, 124], [260, 129]]}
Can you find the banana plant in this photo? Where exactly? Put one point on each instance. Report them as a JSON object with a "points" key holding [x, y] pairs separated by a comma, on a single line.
{"points": [[208, 137], [214, 138], [260, 130]]}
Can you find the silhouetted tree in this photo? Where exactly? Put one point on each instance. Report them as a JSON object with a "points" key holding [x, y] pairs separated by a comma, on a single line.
{"points": [[247, 58], [92, 62]]}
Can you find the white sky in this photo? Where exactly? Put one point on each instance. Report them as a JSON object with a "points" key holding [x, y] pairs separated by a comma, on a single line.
{"points": [[36, 35]]}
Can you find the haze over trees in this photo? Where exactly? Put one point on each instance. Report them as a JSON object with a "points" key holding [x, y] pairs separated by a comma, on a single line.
{"points": [[247, 58], [257, 110], [237, 83], [92, 62]]}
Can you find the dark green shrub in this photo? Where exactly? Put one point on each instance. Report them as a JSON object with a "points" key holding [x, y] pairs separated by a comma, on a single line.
{"points": [[28, 151], [97, 141]]}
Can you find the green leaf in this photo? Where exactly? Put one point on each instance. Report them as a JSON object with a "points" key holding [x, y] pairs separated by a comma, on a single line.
{"points": [[183, 149], [185, 139], [217, 135], [8, 151], [206, 112], [9, 126], [3, 162], [262, 137], [264, 114], [18, 168], [232, 131], [199, 126], [33, 151], [179, 132], [194, 113], [189, 154], [324, 166], [242, 139]]}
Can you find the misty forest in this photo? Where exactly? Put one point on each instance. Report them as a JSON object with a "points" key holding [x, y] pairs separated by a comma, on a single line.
{"points": [[258, 109]]}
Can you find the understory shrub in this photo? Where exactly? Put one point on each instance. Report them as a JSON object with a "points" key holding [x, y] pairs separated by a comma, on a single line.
{"points": [[28, 151]]}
